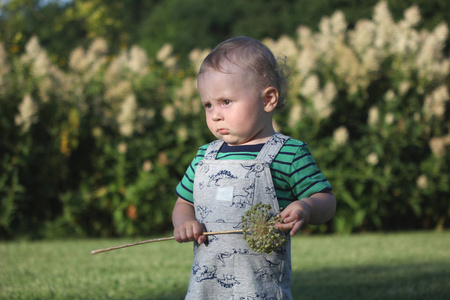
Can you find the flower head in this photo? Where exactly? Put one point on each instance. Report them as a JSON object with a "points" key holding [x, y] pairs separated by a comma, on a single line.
{"points": [[340, 136], [27, 113], [260, 233]]}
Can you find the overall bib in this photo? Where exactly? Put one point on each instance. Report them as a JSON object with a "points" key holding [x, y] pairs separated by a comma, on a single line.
{"points": [[225, 267]]}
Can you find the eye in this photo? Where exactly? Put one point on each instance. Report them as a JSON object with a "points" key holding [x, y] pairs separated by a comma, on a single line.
{"points": [[226, 102], [207, 105]]}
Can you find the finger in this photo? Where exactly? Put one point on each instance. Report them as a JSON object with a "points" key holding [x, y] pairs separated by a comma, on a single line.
{"points": [[296, 227], [292, 217], [287, 214], [285, 226], [192, 234], [197, 231], [202, 239], [179, 236], [176, 236], [185, 235]]}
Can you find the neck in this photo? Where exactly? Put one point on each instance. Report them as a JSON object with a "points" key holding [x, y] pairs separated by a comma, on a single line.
{"points": [[260, 138]]}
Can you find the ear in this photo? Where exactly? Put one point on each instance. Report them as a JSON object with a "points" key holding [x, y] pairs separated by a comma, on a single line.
{"points": [[270, 97]]}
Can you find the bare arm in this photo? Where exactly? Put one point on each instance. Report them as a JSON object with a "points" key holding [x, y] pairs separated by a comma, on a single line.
{"points": [[186, 227], [317, 209]]}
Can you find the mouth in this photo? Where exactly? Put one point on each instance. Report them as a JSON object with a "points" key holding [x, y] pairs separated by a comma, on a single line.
{"points": [[223, 131]]}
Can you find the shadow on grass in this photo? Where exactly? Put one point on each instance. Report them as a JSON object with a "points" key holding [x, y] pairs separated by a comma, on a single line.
{"points": [[399, 282], [406, 281]]}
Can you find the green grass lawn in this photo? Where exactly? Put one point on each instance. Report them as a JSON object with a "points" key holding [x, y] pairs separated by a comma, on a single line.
{"points": [[413, 265]]}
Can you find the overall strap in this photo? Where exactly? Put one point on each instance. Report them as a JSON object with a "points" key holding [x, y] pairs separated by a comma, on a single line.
{"points": [[213, 149], [272, 147]]}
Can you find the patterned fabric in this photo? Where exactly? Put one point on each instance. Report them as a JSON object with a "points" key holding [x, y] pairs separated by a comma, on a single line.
{"points": [[294, 171], [225, 267]]}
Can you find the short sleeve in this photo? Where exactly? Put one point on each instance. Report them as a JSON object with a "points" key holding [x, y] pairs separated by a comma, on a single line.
{"points": [[185, 188], [305, 177]]}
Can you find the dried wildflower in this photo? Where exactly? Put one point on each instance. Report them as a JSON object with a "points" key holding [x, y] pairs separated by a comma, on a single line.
{"points": [[403, 88], [197, 56], [27, 113], [165, 55], [122, 148], [127, 115], [115, 71], [435, 103], [169, 113], [310, 86], [372, 159], [361, 38], [430, 61], [32, 50], [260, 233], [389, 96], [77, 62], [118, 91], [374, 114], [349, 68], [422, 182], [188, 89], [323, 99], [295, 115], [385, 24], [338, 23], [389, 118], [182, 134], [138, 62], [147, 166], [412, 16], [370, 60], [306, 61], [284, 45], [340, 136], [438, 145], [41, 65], [322, 106]]}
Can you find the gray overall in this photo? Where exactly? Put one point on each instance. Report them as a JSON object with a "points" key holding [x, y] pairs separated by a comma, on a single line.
{"points": [[225, 267]]}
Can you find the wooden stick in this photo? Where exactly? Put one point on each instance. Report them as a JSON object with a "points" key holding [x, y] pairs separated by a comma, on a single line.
{"points": [[158, 240]]}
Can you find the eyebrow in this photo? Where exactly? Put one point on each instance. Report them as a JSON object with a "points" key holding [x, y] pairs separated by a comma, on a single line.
{"points": [[219, 98]]}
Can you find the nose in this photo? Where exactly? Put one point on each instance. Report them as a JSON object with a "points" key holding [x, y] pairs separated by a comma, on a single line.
{"points": [[216, 115]]}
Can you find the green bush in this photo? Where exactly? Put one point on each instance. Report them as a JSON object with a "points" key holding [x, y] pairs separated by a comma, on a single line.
{"points": [[97, 149], [373, 102]]}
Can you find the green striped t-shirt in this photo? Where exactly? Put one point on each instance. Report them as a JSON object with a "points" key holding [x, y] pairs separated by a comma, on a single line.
{"points": [[294, 172]]}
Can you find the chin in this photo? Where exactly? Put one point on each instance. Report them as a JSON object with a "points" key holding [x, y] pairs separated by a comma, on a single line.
{"points": [[234, 142], [227, 139]]}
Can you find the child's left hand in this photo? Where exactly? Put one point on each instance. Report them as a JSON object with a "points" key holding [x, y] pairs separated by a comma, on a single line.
{"points": [[295, 216], [316, 209]]}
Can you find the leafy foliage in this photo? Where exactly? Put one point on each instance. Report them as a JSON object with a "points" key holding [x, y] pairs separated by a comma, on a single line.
{"points": [[96, 148], [63, 25]]}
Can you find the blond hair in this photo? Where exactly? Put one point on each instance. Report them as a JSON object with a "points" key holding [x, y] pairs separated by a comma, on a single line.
{"points": [[255, 58]]}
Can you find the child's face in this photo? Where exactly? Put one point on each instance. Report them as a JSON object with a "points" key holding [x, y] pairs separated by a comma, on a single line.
{"points": [[236, 108]]}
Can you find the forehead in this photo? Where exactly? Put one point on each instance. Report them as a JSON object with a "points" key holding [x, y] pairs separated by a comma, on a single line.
{"points": [[212, 80], [227, 83], [225, 66], [228, 68]]}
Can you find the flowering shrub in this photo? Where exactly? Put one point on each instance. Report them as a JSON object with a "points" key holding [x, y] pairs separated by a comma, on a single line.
{"points": [[372, 103], [97, 148]]}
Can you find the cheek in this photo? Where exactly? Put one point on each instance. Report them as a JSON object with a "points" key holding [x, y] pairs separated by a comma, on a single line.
{"points": [[209, 121]]}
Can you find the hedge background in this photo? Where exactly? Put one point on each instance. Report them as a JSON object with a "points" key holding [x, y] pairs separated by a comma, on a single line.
{"points": [[95, 146]]}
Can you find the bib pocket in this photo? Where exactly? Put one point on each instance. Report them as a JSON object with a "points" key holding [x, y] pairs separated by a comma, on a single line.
{"points": [[226, 197]]}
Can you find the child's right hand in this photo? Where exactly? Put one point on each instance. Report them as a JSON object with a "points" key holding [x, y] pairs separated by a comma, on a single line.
{"points": [[186, 227], [190, 230]]}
